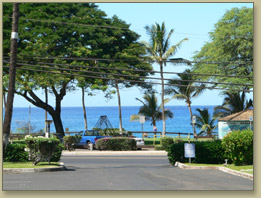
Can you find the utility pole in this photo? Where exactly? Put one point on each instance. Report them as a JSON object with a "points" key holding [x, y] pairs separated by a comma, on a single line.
{"points": [[46, 102], [12, 74]]}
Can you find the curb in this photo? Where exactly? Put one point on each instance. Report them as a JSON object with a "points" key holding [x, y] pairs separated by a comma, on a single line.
{"points": [[34, 170], [66, 153], [224, 169]]}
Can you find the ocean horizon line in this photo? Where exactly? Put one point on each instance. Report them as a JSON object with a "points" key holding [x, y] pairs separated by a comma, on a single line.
{"points": [[121, 106]]}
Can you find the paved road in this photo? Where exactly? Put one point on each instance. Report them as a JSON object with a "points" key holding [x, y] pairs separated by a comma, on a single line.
{"points": [[124, 173]]}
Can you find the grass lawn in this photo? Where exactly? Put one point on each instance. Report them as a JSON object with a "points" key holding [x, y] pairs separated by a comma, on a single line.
{"points": [[192, 164], [150, 141], [29, 165], [245, 169]]}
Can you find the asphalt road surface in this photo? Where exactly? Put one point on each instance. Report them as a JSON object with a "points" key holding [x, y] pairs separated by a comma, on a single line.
{"points": [[124, 173]]}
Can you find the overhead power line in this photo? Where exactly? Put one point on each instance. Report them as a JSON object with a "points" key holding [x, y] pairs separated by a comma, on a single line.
{"points": [[128, 80], [124, 75], [121, 28], [173, 60], [137, 70]]}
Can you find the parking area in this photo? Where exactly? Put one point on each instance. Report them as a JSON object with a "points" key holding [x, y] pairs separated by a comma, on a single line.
{"points": [[124, 172]]}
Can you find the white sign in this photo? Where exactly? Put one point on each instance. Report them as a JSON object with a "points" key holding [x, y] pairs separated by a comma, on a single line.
{"points": [[251, 118], [14, 35], [142, 119], [194, 119], [189, 150]]}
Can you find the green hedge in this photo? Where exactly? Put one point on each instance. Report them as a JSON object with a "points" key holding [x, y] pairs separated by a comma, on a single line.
{"points": [[70, 142], [57, 153], [15, 153], [40, 148], [116, 144], [238, 146], [166, 142], [209, 152]]}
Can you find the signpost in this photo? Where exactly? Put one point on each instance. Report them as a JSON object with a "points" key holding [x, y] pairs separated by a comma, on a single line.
{"points": [[194, 119], [142, 120], [189, 151], [250, 120], [49, 122]]}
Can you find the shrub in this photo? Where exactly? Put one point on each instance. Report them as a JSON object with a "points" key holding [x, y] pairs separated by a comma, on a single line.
{"points": [[209, 152], [116, 144], [166, 142], [178, 140], [57, 153], [15, 153], [70, 142], [238, 146], [41, 149], [108, 132], [158, 147]]}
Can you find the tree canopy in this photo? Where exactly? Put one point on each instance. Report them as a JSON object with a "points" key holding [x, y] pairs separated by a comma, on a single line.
{"points": [[52, 39], [230, 49]]}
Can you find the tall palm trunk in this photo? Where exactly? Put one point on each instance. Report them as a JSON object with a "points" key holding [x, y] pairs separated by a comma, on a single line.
{"points": [[162, 100], [119, 103], [84, 110], [191, 117]]}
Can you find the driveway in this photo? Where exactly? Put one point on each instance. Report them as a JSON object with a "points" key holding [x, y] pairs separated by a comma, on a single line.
{"points": [[124, 172]]}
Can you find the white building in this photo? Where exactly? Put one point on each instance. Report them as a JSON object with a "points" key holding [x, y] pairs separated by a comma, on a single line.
{"points": [[235, 122]]}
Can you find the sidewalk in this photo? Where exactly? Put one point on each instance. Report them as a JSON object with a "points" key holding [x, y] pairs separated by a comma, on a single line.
{"points": [[98, 152], [33, 170], [224, 169]]}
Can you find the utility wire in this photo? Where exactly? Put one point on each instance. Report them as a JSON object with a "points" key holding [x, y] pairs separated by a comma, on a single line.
{"points": [[113, 27], [175, 60], [124, 75], [137, 70], [135, 81]]}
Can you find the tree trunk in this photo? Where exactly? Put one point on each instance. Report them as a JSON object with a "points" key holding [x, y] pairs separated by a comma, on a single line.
{"points": [[84, 110], [55, 113], [191, 118], [58, 123], [162, 100], [119, 103], [12, 74]]}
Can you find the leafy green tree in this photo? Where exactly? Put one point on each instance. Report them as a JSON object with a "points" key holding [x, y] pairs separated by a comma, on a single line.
{"points": [[184, 88], [204, 122], [151, 110], [233, 102], [128, 55], [51, 30], [89, 87], [159, 50], [230, 51]]}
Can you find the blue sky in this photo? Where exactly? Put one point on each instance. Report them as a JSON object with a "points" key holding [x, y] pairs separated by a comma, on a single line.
{"points": [[189, 20]]}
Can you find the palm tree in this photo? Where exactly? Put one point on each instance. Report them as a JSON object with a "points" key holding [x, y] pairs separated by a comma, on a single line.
{"points": [[184, 89], [233, 103], [151, 110], [160, 50], [204, 122]]}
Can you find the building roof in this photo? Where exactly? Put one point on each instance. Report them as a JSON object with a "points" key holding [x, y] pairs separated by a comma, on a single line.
{"points": [[240, 116]]}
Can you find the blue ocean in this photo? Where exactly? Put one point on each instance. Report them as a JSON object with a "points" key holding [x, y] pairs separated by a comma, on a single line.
{"points": [[72, 118]]}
